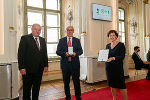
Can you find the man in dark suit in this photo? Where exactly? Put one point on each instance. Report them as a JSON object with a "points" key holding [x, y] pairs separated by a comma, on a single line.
{"points": [[70, 63], [32, 60], [139, 63], [148, 55]]}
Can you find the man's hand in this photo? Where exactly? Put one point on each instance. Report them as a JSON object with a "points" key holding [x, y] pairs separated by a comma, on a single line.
{"points": [[74, 54], [146, 62], [23, 71], [67, 54], [45, 69]]}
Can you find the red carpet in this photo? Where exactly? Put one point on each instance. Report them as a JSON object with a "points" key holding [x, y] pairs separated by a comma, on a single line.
{"points": [[137, 90]]}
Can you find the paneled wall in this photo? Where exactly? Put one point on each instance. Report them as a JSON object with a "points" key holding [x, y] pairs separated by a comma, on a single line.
{"points": [[8, 25], [95, 31]]}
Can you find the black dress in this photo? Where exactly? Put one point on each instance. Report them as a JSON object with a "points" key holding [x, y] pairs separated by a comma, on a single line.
{"points": [[114, 69]]}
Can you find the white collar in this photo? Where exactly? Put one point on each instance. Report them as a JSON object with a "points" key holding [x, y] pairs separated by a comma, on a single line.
{"points": [[36, 37], [69, 37]]}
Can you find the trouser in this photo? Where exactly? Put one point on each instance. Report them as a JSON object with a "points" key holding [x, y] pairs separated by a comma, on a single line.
{"points": [[31, 81], [75, 77], [147, 66]]}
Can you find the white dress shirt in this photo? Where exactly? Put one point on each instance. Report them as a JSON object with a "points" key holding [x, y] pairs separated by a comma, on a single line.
{"points": [[37, 40]]}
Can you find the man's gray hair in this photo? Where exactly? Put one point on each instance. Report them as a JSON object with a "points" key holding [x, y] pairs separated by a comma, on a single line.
{"points": [[70, 26], [35, 25]]}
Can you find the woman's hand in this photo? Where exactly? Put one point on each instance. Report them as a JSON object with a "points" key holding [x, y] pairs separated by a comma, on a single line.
{"points": [[110, 59]]}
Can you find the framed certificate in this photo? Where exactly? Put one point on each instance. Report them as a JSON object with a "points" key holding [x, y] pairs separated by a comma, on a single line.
{"points": [[103, 55]]}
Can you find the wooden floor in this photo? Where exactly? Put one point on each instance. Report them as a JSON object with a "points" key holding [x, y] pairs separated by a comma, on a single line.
{"points": [[54, 90]]}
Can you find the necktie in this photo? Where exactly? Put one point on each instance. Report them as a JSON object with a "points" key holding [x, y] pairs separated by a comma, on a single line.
{"points": [[37, 44], [69, 45]]}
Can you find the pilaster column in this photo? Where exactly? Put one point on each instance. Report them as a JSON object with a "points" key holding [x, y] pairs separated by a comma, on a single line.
{"points": [[83, 13], [147, 27]]}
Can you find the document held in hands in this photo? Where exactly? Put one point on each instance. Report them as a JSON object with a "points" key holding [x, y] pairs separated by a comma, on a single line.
{"points": [[103, 55], [70, 50]]}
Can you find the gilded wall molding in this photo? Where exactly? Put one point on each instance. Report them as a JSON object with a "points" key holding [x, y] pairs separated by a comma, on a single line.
{"points": [[147, 36], [145, 1]]}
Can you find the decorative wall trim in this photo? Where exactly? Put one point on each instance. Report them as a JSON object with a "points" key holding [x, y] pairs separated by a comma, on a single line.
{"points": [[145, 1], [147, 36]]}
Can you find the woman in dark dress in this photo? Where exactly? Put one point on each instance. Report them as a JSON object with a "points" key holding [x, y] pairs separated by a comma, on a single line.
{"points": [[114, 65]]}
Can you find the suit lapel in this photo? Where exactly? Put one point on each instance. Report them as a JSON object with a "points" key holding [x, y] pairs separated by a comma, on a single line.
{"points": [[65, 41], [137, 56], [33, 42], [41, 43], [73, 41]]}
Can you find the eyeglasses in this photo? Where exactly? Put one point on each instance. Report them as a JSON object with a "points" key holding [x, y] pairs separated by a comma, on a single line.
{"points": [[69, 30]]}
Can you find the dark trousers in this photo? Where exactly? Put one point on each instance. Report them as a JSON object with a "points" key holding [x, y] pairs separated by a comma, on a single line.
{"points": [[75, 77], [31, 81], [147, 66]]}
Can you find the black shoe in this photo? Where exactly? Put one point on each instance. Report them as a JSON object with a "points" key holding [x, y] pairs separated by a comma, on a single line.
{"points": [[78, 98], [68, 98]]}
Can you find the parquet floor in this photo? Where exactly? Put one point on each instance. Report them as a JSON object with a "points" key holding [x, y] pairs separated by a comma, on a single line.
{"points": [[53, 90]]}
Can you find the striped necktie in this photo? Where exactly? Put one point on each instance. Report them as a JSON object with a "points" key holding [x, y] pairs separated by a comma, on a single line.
{"points": [[37, 44]]}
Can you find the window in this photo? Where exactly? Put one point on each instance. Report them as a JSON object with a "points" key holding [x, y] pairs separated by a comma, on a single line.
{"points": [[46, 13], [121, 25]]}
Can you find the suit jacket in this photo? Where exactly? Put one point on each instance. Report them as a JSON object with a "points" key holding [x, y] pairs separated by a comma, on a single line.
{"points": [[29, 57], [62, 48], [137, 61]]}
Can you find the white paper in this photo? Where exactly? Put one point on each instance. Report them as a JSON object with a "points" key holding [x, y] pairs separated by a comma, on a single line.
{"points": [[103, 55], [70, 50]]}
